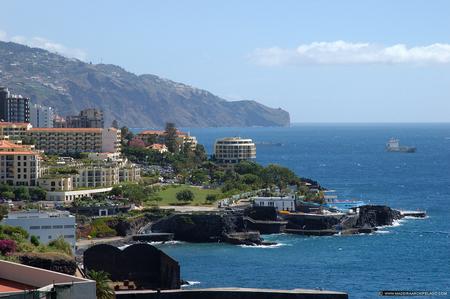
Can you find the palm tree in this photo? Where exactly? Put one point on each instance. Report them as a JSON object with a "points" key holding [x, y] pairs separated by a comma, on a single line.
{"points": [[103, 289]]}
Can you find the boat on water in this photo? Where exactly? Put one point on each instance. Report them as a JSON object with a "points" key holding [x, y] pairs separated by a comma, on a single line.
{"points": [[393, 145]]}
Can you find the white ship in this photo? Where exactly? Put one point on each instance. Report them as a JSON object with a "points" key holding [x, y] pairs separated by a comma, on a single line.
{"points": [[393, 145]]}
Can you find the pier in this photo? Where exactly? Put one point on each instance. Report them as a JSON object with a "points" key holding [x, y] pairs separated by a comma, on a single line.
{"points": [[416, 214]]}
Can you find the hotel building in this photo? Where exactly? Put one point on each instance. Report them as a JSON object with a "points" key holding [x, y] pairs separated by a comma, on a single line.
{"points": [[231, 150], [17, 131], [19, 165], [76, 140]]}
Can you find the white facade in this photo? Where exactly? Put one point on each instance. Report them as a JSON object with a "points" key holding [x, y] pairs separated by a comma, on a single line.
{"points": [[286, 203], [111, 140], [69, 196], [234, 150], [46, 226], [41, 116]]}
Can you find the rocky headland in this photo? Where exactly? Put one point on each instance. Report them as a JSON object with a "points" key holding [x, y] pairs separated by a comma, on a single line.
{"points": [[244, 226]]}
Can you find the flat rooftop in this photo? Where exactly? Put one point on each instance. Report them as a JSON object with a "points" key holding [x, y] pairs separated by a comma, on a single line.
{"points": [[13, 286]]}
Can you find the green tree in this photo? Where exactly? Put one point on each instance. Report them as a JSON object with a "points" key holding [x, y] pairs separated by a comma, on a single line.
{"points": [[34, 240], [127, 135], [37, 194], [185, 195], [171, 138], [21, 193], [198, 176], [103, 289], [3, 212]]}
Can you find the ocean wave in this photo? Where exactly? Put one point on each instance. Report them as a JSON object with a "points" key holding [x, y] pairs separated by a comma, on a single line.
{"points": [[190, 283], [155, 243], [265, 246], [166, 242], [382, 232], [415, 218]]}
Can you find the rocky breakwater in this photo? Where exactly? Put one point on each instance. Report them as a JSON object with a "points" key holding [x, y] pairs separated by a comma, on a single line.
{"points": [[208, 227], [364, 219]]}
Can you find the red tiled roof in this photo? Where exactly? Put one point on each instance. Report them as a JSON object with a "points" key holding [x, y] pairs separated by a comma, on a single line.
{"points": [[5, 144], [10, 148], [5, 124], [152, 132], [85, 130], [158, 146]]}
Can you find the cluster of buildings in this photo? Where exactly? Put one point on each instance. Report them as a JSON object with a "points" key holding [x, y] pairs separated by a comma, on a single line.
{"points": [[98, 174], [25, 160], [156, 140], [18, 109]]}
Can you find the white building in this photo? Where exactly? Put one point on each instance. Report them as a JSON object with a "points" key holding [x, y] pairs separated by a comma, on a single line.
{"points": [[41, 116], [234, 149], [46, 226], [111, 140], [285, 203]]}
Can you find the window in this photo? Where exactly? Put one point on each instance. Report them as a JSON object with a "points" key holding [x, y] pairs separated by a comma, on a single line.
{"points": [[69, 226], [57, 226], [35, 227], [46, 226]]}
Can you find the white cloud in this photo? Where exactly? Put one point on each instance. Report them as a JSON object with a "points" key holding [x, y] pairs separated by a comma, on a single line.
{"points": [[43, 43], [341, 52]]}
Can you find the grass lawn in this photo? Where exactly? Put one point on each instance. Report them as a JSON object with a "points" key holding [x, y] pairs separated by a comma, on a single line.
{"points": [[169, 195]]}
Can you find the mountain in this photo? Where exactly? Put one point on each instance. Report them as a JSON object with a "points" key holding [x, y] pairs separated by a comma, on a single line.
{"points": [[70, 85]]}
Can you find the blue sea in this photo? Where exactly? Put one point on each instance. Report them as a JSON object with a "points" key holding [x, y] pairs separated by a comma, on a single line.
{"points": [[349, 158]]}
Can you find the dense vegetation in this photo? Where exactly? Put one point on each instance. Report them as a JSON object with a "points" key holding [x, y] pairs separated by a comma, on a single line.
{"points": [[15, 240]]}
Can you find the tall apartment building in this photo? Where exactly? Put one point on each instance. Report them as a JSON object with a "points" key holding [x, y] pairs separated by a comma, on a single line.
{"points": [[232, 150], [46, 226], [19, 165], [88, 118], [41, 116], [76, 140], [13, 108]]}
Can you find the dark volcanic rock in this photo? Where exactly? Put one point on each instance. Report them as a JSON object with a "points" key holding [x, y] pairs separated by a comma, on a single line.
{"points": [[372, 216], [261, 213], [203, 227]]}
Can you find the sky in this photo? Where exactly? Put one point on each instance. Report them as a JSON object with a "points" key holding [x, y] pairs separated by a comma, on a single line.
{"points": [[323, 61]]}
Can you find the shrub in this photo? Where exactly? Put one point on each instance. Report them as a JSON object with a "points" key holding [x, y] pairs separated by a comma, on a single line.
{"points": [[7, 246], [101, 230], [61, 245], [210, 198], [34, 240], [185, 195]]}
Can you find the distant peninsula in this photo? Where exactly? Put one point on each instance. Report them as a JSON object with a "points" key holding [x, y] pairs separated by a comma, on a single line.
{"points": [[70, 85]]}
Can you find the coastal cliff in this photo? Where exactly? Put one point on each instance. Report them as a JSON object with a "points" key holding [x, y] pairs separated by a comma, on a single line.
{"points": [[70, 85], [208, 227]]}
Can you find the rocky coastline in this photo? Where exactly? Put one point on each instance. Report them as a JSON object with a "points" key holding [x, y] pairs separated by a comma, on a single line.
{"points": [[245, 226]]}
